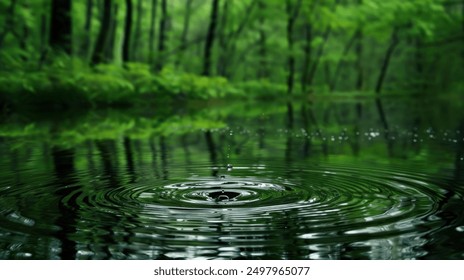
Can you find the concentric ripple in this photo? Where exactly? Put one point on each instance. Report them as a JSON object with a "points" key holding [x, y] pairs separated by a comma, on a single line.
{"points": [[342, 199], [321, 206], [215, 193]]}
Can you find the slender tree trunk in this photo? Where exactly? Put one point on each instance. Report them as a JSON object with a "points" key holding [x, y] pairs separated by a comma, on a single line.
{"points": [[185, 30], [419, 65], [210, 38], [43, 32], [228, 40], [292, 15], [162, 34], [99, 51], [359, 49], [263, 71], [23, 38], [338, 68], [138, 32], [109, 46], [85, 48], [320, 51], [61, 26], [127, 32], [462, 19], [307, 56], [44, 38], [151, 39], [386, 61], [317, 59], [223, 62], [359, 60], [290, 57], [9, 20]]}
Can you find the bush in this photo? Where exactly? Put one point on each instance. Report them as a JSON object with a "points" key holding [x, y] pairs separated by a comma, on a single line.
{"points": [[66, 82]]}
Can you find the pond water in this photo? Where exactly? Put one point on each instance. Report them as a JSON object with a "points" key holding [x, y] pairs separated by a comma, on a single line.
{"points": [[331, 179]]}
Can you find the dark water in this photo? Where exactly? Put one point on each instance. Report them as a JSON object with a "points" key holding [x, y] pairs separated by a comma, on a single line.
{"points": [[339, 179]]}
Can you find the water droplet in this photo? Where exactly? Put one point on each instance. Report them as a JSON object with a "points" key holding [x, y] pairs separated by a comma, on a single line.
{"points": [[460, 228], [229, 167], [222, 197]]}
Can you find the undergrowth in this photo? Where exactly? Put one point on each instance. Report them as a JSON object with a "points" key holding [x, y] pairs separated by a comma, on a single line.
{"points": [[67, 83]]}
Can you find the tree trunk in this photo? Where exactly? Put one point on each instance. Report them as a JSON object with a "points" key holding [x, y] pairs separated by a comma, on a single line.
{"points": [[228, 41], [127, 32], [138, 32], [85, 47], [223, 58], [99, 52], [419, 65], [151, 39], [292, 15], [359, 49], [338, 68], [22, 38], [307, 56], [43, 32], [109, 46], [162, 34], [359, 59], [386, 61], [317, 59], [44, 29], [263, 71], [61, 26], [210, 38], [9, 20], [185, 30]]}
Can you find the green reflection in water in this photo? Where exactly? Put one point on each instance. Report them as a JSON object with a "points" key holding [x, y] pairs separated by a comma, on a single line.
{"points": [[340, 179]]}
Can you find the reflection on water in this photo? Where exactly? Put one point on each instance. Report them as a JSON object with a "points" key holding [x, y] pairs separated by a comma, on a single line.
{"points": [[364, 179]]}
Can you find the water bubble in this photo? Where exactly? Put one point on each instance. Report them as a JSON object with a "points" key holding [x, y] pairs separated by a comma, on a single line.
{"points": [[229, 167], [460, 228]]}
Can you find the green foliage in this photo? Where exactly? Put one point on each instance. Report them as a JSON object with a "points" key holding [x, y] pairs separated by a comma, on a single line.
{"points": [[339, 40], [70, 83]]}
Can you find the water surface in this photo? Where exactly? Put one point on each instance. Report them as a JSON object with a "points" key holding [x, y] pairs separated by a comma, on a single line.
{"points": [[334, 179]]}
